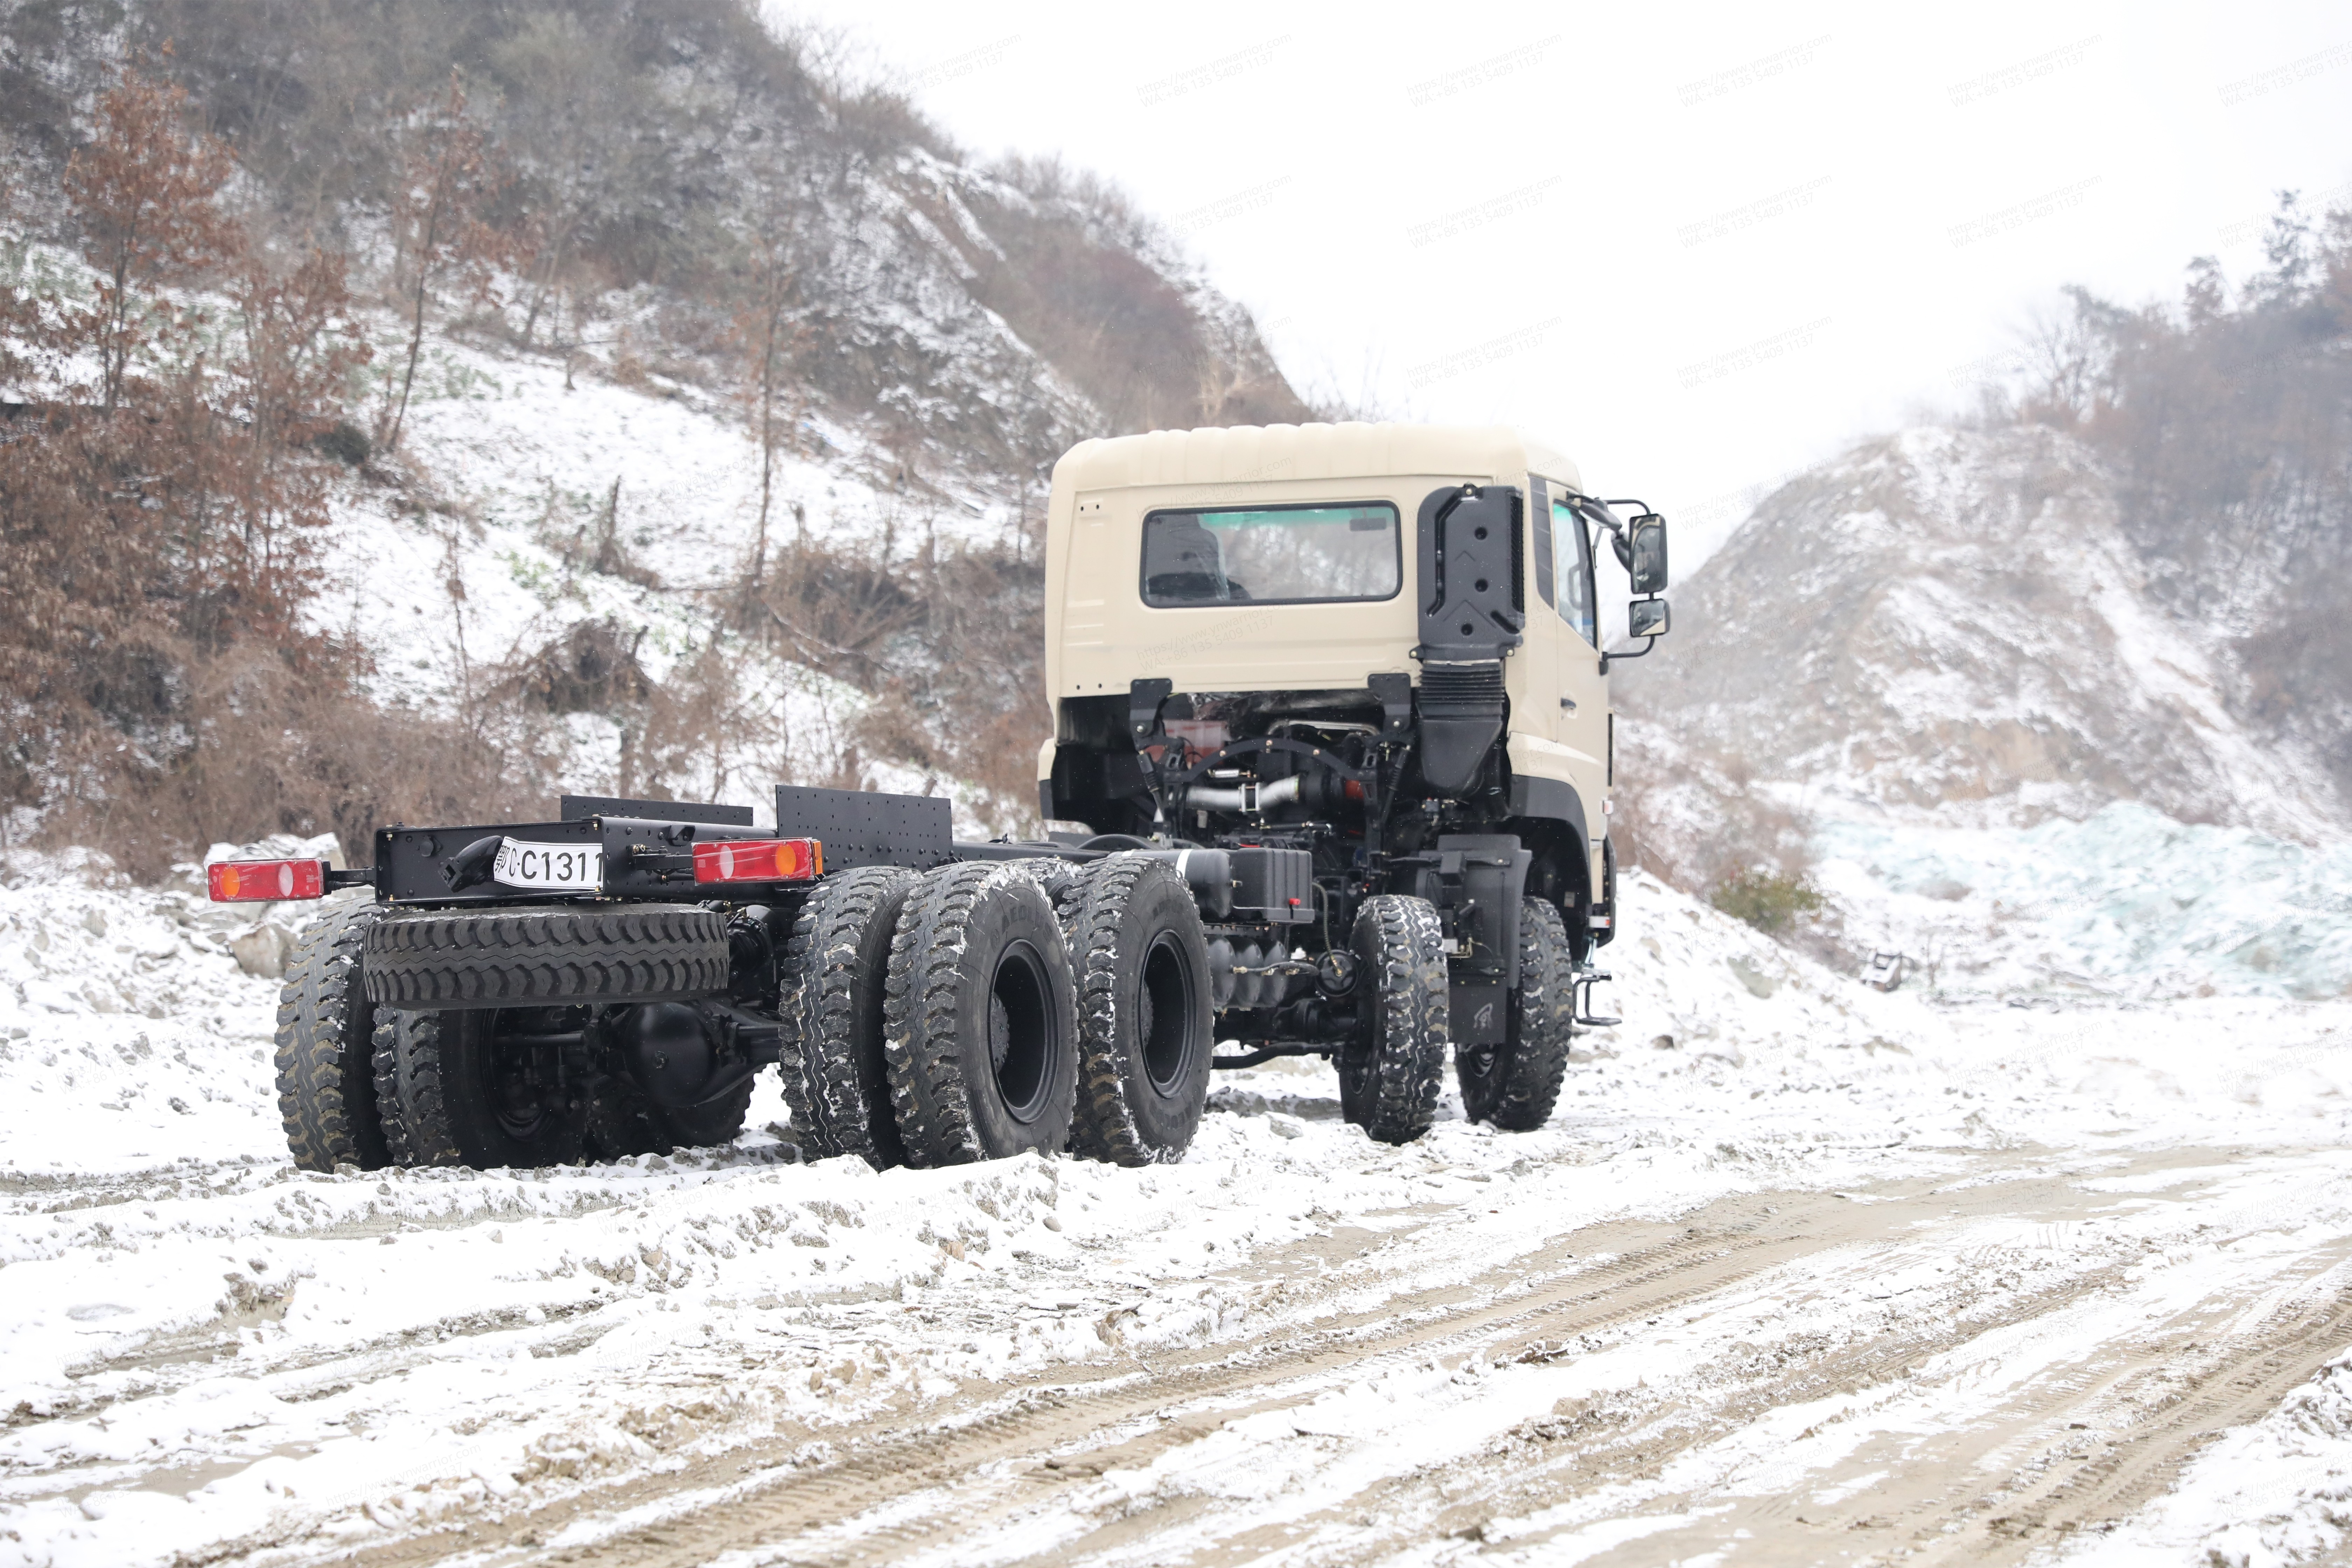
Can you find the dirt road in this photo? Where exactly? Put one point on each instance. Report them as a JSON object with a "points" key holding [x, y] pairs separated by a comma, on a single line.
{"points": [[1960, 1370]]}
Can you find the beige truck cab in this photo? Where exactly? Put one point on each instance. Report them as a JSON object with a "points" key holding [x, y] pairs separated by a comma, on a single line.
{"points": [[1373, 649]]}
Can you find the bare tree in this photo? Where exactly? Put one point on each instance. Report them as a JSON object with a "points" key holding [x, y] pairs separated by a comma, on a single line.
{"points": [[143, 189], [447, 182], [570, 105], [771, 330]]}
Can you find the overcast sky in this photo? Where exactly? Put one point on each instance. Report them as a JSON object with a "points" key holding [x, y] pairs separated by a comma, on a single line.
{"points": [[1697, 248]]}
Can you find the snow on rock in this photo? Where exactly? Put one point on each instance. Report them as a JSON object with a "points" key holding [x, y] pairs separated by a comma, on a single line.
{"points": [[1948, 627], [2128, 903], [1938, 660]]}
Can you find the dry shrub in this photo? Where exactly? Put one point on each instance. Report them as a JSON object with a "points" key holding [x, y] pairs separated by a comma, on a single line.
{"points": [[698, 730], [156, 520], [840, 607], [1771, 902], [591, 668], [1701, 822], [267, 747]]}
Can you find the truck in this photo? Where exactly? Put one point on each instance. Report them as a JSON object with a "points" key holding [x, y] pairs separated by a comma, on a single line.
{"points": [[1328, 775]]}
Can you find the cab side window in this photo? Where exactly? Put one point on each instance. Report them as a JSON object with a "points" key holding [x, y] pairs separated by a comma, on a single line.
{"points": [[1572, 554]]}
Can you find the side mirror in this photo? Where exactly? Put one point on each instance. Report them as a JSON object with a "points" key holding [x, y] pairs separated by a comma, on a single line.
{"points": [[1647, 617], [1648, 567]]}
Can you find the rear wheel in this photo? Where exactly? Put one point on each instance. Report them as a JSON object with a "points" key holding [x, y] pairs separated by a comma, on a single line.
{"points": [[326, 1032], [834, 970], [483, 1087], [1144, 1035], [1389, 1072], [1515, 1084], [978, 1030]]}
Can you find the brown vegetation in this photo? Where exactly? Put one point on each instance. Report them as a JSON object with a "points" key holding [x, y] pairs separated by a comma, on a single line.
{"points": [[157, 524], [298, 165], [445, 184]]}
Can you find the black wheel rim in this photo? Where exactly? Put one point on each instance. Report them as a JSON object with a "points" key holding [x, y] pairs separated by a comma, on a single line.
{"points": [[1165, 1026], [1021, 1036]]}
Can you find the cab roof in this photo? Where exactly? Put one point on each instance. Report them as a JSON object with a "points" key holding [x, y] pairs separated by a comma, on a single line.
{"points": [[1246, 454]]}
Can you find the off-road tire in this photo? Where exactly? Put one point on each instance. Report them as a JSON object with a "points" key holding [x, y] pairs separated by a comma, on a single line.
{"points": [[443, 960], [1515, 1084], [1389, 1073], [431, 1093], [834, 970], [972, 937], [326, 1032], [1145, 1016]]}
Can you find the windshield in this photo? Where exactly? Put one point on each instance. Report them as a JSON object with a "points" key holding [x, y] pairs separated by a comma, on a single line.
{"points": [[1281, 554]]}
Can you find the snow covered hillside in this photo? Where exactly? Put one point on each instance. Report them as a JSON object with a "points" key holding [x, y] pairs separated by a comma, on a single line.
{"points": [[679, 406], [526, 463], [1938, 665], [1781, 1228]]}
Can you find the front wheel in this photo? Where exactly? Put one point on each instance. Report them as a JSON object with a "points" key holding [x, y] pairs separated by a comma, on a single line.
{"points": [[1389, 1072], [1515, 1085]]}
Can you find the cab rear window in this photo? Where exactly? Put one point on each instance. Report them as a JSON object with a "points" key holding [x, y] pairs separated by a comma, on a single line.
{"points": [[1279, 555]]}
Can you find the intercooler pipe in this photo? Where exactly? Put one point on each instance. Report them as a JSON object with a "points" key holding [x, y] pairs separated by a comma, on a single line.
{"points": [[1249, 798]]}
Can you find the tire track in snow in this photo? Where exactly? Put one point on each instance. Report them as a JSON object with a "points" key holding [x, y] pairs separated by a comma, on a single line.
{"points": [[1019, 1474], [1649, 1269], [998, 1465]]}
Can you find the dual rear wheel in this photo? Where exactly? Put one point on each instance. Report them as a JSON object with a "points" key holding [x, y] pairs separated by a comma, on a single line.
{"points": [[1020, 1006], [370, 1073]]}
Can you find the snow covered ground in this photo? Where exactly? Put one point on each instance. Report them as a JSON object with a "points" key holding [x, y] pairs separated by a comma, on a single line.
{"points": [[1797, 1272]]}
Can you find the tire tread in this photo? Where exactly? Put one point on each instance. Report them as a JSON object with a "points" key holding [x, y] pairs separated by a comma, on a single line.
{"points": [[541, 957], [823, 979], [324, 1076], [1094, 917], [918, 1018], [1409, 1052]]}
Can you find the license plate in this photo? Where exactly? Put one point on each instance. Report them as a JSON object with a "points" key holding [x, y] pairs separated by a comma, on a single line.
{"points": [[551, 868]]}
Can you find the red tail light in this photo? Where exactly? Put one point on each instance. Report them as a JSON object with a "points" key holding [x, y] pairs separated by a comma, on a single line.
{"points": [[760, 860], [265, 882]]}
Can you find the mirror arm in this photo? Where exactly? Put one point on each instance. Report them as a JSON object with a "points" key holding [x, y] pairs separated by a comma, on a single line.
{"points": [[1619, 541], [1647, 644]]}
